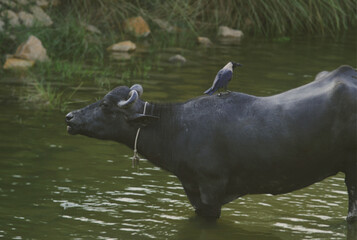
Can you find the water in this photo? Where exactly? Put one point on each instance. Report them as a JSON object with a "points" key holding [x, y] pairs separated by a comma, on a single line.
{"points": [[57, 186]]}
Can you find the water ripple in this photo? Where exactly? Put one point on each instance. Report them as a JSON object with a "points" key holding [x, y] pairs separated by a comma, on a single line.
{"points": [[304, 229], [89, 220], [129, 200]]}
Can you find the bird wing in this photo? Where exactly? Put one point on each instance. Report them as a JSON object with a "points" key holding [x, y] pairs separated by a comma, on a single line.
{"points": [[222, 78]]}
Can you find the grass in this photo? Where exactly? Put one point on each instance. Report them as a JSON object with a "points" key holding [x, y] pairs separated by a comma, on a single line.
{"points": [[48, 77], [68, 39], [41, 94], [273, 17]]}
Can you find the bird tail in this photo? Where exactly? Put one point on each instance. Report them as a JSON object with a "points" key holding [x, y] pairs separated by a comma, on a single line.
{"points": [[209, 91]]}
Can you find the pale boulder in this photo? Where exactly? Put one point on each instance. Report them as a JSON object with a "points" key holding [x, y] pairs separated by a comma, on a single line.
{"points": [[224, 31], [18, 64], [23, 2], [137, 26], [204, 41], [40, 16], [32, 49], [164, 25], [177, 59], [125, 46], [42, 3], [11, 17], [2, 24], [55, 3], [91, 28], [27, 19], [9, 3]]}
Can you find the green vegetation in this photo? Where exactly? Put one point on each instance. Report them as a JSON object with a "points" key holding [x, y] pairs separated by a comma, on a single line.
{"points": [[43, 95], [78, 55], [271, 17]]}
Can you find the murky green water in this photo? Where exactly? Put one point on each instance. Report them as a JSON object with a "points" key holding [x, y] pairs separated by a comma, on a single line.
{"points": [[57, 186]]}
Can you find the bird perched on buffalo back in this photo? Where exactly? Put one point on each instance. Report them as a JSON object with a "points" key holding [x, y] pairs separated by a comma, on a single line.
{"points": [[222, 78]]}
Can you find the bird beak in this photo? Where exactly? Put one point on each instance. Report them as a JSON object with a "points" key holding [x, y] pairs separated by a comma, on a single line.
{"points": [[237, 65]]}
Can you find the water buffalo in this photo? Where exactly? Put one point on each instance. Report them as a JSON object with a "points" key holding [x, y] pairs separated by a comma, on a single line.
{"points": [[223, 147]]}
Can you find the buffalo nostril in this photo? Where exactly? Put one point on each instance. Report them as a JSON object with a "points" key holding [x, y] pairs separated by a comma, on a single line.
{"points": [[69, 116]]}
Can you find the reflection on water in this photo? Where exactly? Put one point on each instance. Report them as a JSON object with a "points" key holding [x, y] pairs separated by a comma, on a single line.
{"points": [[56, 186]]}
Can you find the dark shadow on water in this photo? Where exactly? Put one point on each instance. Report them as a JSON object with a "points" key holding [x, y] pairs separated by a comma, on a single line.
{"points": [[202, 229]]}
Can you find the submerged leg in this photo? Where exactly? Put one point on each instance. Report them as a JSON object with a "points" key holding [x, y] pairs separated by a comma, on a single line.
{"points": [[202, 209], [352, 231], [351, 183], [212, 190], [209, 211], [205, 198]]}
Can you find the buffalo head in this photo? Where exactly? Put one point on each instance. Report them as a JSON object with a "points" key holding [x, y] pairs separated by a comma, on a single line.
{"points": [[112, 118]]}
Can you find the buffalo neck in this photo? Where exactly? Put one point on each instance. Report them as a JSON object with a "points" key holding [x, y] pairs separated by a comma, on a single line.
{"points": [[155, 140]]}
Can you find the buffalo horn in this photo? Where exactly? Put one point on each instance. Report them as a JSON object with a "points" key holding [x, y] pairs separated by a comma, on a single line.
{"points": [[138, 88], [132, 97]]}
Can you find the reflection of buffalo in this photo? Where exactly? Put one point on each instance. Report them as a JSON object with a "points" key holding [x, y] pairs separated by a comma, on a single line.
{"points": [[223, 147]]}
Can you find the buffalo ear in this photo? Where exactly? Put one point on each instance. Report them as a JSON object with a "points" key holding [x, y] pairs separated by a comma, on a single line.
{"points": [[141, 120]]}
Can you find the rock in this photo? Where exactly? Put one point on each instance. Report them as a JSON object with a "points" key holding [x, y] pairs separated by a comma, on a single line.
{"points": [[9, 35], [124, 46], [19, 64], [137, 26], [32, 49], [177, 59], [55, 3], [1, 26], [23, 2], [224, 31], [40, 16], [27, 19], [7, 56], [164, 25], [42, 3], [9, 3], [204, 41], [11, 17], [91, 28]]}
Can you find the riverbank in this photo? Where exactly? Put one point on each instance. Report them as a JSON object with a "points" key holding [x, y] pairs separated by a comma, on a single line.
{"points": [[78, 28], [78, 33]]}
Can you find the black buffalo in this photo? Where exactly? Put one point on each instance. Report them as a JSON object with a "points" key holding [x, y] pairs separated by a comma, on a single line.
{"points": [[224, 147]]}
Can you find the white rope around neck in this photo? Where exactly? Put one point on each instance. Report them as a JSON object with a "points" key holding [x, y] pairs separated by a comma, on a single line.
{"points": [[135, 159]]}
